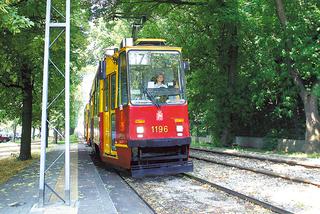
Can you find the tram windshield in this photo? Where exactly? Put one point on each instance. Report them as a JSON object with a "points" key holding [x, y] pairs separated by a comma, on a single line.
{"points": [[155, 77]]}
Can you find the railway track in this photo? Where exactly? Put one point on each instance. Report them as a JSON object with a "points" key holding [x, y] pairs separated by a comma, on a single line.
{"points": [[258, 202], [261, 171], [133, 189], [275, 160], [99, 164], [253, 200], [199, 182], [239, 195]]}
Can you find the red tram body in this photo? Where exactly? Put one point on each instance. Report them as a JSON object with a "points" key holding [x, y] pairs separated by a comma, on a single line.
{"points": [[134, 123]]}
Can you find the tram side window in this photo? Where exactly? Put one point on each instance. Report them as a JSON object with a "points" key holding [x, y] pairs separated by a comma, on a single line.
{"points": [[94, 103], [97, 97], [113, 91], [94, 98], [106, 89], [123, 79], [92, 106]]}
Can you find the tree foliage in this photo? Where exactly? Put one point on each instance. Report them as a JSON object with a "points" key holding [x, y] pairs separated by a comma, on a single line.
{"points": [[22, 42], [254, 65], [258, 95], [10, 19]]}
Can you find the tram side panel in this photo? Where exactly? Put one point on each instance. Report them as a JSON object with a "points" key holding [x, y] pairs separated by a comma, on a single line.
{"points": [[96, 138], [91, 122], [86, 124], [122, 136]]}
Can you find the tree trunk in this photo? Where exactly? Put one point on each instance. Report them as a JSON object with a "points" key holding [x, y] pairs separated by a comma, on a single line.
{"points": [[309, 100], [59, 137], [25, 148], [56, 132], [14, 131], [228, 52], [33, 133], [56, 136], [281, 13]]}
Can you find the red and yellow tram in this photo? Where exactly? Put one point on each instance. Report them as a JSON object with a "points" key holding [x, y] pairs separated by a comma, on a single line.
{"points": [[134, 121], [86, 123]]}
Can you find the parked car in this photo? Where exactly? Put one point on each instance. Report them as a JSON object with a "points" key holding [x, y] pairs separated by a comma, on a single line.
{"points": [[18, 136], [4, 139]]}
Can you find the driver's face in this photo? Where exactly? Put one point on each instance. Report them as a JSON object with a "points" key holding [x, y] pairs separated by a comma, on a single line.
{"points": [[160, 78]]}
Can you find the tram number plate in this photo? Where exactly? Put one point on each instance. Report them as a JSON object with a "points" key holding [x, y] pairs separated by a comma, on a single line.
{"points": [[159, 129]]}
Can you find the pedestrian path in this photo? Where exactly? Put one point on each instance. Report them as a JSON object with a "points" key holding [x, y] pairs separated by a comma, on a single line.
{"points": [[20, 193], [94, 189]]}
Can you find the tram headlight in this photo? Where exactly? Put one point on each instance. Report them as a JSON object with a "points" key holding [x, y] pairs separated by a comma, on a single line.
{"points": [[140, 129], [179, 128]]}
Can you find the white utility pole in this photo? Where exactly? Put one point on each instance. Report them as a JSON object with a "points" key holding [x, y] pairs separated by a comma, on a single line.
{"points": [[64, 27]]}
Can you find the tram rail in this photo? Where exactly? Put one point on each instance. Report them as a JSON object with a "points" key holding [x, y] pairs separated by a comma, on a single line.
{"points": [[260, 171], [275, 160], [256, 201]]}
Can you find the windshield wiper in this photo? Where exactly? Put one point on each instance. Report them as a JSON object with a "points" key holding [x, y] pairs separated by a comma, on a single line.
{"points": [[151, 97]]}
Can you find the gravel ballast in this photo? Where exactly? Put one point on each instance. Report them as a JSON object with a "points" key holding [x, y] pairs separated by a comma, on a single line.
{"points": [[295, 197], [177, 194], [312, 174]]}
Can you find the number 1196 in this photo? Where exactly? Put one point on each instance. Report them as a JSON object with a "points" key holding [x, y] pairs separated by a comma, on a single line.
{"points": [[159, 129]]}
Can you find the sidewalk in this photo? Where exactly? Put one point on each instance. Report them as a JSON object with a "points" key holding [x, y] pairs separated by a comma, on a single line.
{"points": [[94, 189]]}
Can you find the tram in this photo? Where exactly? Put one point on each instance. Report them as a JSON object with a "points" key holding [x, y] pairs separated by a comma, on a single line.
{"points": [[138, 112], [86, 125]]}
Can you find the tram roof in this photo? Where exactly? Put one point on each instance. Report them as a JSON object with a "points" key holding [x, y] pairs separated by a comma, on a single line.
{"points": [[156, 48]]}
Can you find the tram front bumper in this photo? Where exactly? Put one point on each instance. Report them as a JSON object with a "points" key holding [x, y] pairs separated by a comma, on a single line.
{"points": [[138, 171], [159, 142]]}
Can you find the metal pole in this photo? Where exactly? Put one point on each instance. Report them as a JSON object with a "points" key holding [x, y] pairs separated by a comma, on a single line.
{"points": [[44, 106], [67, 107]]}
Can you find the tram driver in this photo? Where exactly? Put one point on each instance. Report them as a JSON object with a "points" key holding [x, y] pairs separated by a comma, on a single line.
{"points": [[159, 82]]}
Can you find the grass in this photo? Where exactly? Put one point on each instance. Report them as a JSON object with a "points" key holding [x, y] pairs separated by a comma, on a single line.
{"points": [[289, 154], [298, 154], [204, 145], [11, 166], [18, 141], [262, 151], [73, 139]]}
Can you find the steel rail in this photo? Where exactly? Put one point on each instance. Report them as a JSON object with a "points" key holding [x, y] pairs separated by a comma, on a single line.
{"points": [[132, 188], [275, 160], [97, 162], [240, 195], [265, 172]]}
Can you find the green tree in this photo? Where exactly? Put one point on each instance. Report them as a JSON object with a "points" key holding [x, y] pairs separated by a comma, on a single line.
{"points": [[255, 64], [22, 52], [10, 19], [301, 37]]}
